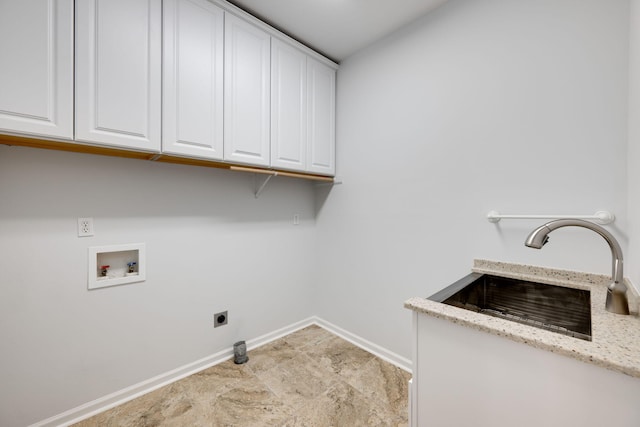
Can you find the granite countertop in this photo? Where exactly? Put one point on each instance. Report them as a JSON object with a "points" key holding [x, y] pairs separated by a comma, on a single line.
{"points": [[615, 338]]}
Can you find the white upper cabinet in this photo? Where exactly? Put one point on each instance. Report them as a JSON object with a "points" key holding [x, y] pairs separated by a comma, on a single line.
{"points": [[193, 55], [118, 73], [302, 111], [193, 78], [288, 106], [321, 100], [246, 93], [36, 71]]}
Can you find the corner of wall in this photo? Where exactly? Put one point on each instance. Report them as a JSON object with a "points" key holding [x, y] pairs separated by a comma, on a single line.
{"points": [[633, 143]]}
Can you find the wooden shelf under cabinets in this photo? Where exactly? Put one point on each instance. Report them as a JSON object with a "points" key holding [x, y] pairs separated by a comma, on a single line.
{"points": [[115, 152]]}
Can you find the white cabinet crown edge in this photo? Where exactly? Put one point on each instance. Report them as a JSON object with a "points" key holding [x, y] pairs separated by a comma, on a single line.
{"points": [[229, 8]]}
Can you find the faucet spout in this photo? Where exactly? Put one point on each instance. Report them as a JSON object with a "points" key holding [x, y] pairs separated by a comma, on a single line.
{"points": [[617, 292]]}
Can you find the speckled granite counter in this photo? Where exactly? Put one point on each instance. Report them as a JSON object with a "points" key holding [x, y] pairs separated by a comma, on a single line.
{"points": [[615, 338]]}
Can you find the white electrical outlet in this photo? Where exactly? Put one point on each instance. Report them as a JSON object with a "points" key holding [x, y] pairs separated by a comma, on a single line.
{"points": [[296, 219], [85, 227]]}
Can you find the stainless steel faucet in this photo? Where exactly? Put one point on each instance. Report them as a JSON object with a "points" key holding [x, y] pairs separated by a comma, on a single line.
{"points": [[617, 292]]}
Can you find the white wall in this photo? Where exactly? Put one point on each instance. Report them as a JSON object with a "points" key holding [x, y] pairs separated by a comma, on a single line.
{"points": [[633, 162], [211, 246], [518, 106]]}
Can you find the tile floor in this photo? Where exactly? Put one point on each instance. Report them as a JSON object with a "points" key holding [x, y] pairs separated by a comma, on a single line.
{"points": [[308, 378]]}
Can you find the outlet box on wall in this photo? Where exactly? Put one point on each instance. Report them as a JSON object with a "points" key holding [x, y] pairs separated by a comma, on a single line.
{"points": [[116, 265]]}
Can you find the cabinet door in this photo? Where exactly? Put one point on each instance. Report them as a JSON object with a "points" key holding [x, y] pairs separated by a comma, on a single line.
{"points": [[118, 70], [36, 75], [246, 93], [321, 83], [192, 96], [288, 107]]}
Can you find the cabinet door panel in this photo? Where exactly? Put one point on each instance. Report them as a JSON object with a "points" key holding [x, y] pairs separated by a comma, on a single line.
{"points": [[321, 83], [193, 35], [118, 51], [36, 76], [288, 107], [247, 93]]}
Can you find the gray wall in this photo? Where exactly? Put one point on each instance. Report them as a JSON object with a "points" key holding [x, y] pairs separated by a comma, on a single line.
{"points": [[211, 246], [518, 106]]}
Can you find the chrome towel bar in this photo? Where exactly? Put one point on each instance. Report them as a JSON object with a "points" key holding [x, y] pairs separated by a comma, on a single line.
{"points": [[600, 217]]}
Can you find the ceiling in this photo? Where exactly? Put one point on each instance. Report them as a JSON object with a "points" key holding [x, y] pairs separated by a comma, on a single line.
{"points": [[337, 28]]}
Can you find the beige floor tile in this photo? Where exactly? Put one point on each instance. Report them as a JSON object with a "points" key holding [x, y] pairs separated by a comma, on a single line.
{"points": [[339, 356], [342, 405], [165, 406], [298, 381], [270, 355], [216, 380], [249, 403], [384, 383], [306, 379], [311, 335]]}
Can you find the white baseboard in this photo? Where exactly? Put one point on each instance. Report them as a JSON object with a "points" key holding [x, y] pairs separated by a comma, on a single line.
{"points": [[112, 400], [272, 336], [119, 397], [381, 352]]}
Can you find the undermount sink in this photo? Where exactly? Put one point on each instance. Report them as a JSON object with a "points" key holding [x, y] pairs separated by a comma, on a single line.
{"points": [[555, 308]]}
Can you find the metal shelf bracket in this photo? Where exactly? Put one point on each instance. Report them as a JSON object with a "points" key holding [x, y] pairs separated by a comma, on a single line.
{"points": [[259, 187]]}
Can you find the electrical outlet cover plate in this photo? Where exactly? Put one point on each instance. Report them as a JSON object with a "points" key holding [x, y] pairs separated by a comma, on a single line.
{"points": [[85, 227], [220, 319]]}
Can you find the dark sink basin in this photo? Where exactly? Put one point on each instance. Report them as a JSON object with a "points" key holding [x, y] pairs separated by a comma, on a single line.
{"points": [[555, 308]]}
